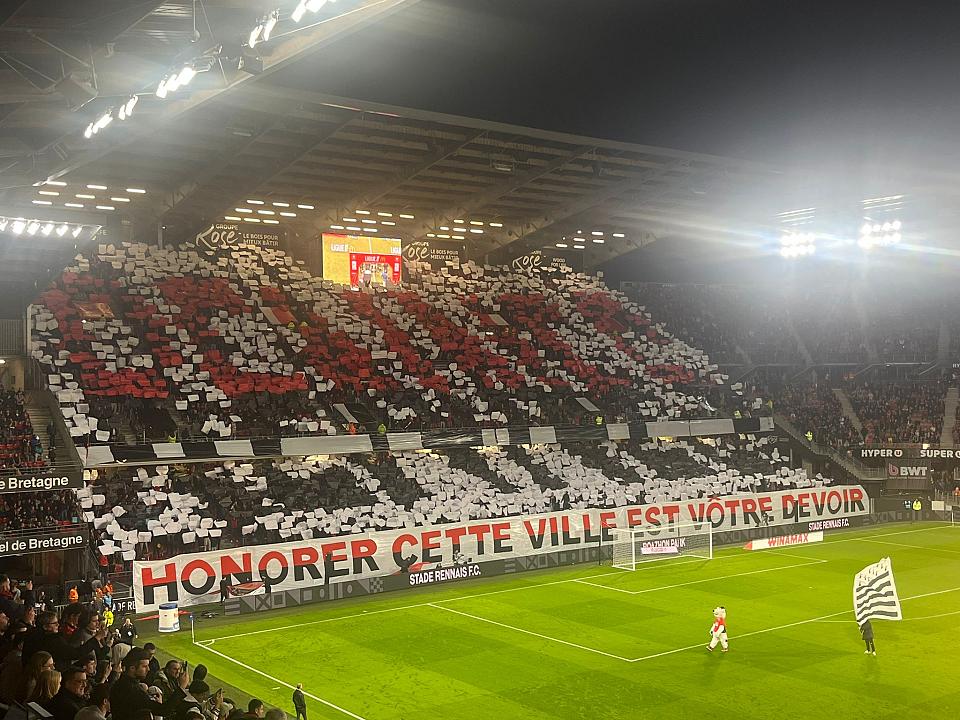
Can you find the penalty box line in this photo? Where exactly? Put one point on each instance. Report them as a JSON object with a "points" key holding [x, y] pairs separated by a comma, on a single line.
{"points": [[367, 613], [809, 562], [529, 632]]}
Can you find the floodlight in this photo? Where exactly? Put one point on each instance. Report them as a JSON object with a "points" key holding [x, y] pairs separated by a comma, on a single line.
{"points": [[297, 14], [186, 76], [62, 230], [32, 227], [77, 230], [18, 226]]}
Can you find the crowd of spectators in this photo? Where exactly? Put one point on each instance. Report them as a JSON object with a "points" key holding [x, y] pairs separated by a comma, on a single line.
{"points": [[253, 344], [907, 330], [141, 513], [900, 413], [83, 663], [838, 322], [21, 452], [814, 409], [38, 510], [20, 448], [726, 321], [699, 314]]}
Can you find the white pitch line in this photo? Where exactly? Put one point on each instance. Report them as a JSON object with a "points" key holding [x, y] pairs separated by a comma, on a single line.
{"points": [[906, 619], [318, 622], [530, 632], [914, 547], [282, 683], [822, 618], [931, 617], [810, 561], [611, 571], [890, 534], [365, 613]]}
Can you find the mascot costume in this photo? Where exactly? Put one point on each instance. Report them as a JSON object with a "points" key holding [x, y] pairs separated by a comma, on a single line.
{"points": [[718, 633]]}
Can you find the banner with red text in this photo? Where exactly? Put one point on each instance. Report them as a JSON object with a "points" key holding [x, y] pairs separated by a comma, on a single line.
{"points": [[194, 578], [784, 541]]}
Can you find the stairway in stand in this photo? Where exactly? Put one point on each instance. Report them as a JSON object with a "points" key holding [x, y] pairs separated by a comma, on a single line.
{"points": [[949, 417], [40, 419], [848, 410]]}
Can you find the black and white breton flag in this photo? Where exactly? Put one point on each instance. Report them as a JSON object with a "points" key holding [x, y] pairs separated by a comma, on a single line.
{"points": [[875, 593]]}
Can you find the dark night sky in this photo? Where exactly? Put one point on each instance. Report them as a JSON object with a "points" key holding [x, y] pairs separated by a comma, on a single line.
{"points": [[776, 80]]}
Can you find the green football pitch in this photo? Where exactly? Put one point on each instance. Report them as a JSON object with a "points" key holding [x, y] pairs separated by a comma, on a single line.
{"points": [[595, 642]]}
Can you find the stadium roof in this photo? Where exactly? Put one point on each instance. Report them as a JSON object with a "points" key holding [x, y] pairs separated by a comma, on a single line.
{"points": [[241, 135]]}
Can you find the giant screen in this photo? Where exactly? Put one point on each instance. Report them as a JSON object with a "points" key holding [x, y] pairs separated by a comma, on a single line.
{"points": [[361, 260]]}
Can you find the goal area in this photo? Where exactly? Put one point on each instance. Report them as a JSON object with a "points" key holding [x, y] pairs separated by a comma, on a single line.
{"points": [[635, 546]]}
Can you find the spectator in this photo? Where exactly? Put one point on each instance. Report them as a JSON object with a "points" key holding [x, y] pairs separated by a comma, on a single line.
{"points": [[154, 664], [99, 707], [71, 696], [36, 665], [128, 699], [48, 685], [169, 679], [28, 597], [199, 703], [59, 645], [12, 670], [255, 710], [89, 665]]}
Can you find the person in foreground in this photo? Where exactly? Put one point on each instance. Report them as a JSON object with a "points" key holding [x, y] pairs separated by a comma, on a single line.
{"points": [[718, 633], [867, 631]]}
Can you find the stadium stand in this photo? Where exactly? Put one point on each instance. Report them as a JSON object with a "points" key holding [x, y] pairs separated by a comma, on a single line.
{"points": [[20, 449], [724, 320], [284, 352], [57, 507], [837, 323], [911, 412], [161, 511], [814, 408]]}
